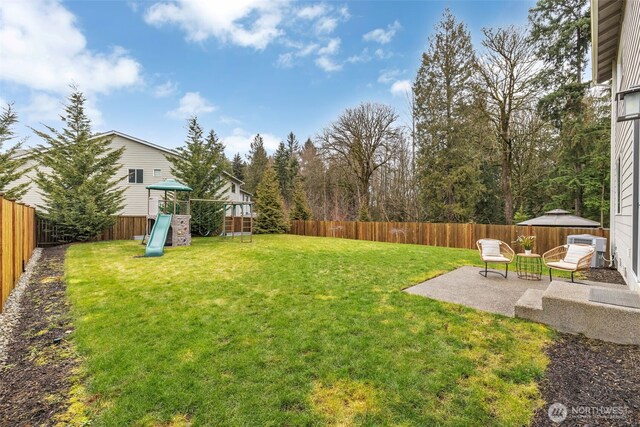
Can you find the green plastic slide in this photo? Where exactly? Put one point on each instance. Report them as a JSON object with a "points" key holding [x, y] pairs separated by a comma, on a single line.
{"points": [[155, 245]]}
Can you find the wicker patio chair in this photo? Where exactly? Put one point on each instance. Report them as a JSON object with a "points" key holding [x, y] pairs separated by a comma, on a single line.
{"points": [[495, 252], [569, 258]]}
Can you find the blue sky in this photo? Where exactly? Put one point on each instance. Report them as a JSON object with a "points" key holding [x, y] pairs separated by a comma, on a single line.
{"points": [[243, 66]]}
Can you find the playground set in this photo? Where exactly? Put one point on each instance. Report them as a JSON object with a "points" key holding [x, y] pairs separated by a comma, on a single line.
{"points": [[169, 217]]}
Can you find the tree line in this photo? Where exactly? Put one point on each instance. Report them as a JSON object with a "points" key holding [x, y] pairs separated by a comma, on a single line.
{"points": [[498, 134]]}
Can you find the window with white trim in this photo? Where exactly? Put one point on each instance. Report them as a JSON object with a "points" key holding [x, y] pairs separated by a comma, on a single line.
{"points": [[157, 172], [136, 176]]}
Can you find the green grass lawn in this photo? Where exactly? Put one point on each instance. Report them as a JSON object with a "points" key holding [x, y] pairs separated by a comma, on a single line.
{"points": [[293, 330]]}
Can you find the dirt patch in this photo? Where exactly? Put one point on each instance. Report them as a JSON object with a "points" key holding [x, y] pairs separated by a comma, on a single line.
{"points": [[39, 381], [606, 275], [596, 381]]}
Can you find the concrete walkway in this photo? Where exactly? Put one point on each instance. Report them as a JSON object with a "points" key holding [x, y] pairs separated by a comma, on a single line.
{"points": [[494, 294]]}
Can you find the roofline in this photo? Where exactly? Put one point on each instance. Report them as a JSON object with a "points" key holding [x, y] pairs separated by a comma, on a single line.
{"points": [[156, 146], [233, 177], [246, 192], [138, 140], [143, 142], [603, 73]]}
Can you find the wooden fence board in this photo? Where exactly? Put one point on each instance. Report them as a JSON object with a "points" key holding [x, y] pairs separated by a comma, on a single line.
{"points": [[17, 242], [440, 234]]}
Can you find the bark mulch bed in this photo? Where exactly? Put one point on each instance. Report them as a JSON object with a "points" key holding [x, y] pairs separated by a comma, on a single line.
{"points": [[607, 275], [40, 379], [592, 376]]}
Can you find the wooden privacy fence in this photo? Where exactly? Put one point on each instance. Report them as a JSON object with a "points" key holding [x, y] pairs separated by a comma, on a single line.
{"points": [[124, 229], [440, 234], [17, 242]]}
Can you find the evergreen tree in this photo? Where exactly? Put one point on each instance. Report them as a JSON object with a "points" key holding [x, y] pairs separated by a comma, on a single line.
{"points": [[11, 166], [258, 162], [77, 177], [238, 167], [446, 133], [270, 213], [287, 167], [561, 31], [199, 164], [300, 209], [281, 166]]}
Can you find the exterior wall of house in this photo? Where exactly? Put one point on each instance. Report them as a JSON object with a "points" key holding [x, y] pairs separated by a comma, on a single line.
{"points": [[626, 73], [155, 168], [136, 156]]}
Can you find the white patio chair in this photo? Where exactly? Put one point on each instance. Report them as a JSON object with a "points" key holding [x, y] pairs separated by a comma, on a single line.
{"points": [[496, 252]]}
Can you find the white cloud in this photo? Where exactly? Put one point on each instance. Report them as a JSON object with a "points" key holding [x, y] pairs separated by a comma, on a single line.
{"points": [[326, 25], [387, 76], [382, 36], [165, 89], [41, 47], [43, 108], [328, 64], [401, 88], [192, 103], [382, 54], [240, 141], [247, 23], [312, 12], [363, 56], [332, 47], [285, 60], [228, 120]]}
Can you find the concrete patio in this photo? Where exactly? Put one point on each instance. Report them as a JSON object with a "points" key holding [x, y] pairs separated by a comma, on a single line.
{"points": [[567, 307]]}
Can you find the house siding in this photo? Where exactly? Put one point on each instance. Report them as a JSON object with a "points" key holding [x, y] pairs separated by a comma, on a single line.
{"points": [[136, 156], [626, 73]]}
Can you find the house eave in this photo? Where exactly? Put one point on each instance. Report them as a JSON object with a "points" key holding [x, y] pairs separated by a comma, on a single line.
{"points": [[606, 20]]}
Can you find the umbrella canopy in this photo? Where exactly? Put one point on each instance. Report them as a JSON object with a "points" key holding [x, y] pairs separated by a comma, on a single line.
{"points": [[169, 185], [560, 218]]}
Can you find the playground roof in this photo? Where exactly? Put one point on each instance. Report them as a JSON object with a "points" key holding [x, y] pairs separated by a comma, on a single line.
{"points": [[169, 185]]}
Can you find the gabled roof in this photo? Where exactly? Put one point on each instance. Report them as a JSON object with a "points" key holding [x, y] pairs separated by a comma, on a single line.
{"points": [[606, 21]]}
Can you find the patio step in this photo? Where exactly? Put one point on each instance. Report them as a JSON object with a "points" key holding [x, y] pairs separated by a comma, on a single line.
{"points": [[529, 306], [566, 307]]}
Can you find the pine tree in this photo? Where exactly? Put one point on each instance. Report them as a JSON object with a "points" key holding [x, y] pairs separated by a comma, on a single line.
{"points": [[77, 177], [300, 209], [269, 205], [445, 130], [199, 164], [258, 162], [238, 167], [11, 166]]}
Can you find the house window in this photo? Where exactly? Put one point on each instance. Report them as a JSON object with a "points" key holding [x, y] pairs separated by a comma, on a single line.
{"points": [[233, 187], [618, 187], [136, 176], [157, 172]]}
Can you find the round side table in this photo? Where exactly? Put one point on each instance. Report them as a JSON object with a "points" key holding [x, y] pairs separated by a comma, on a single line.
{"points": [[529, 266]]}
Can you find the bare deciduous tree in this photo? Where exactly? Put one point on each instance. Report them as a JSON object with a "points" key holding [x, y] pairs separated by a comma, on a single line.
{"points": [[364, 139], [506, 79]]}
